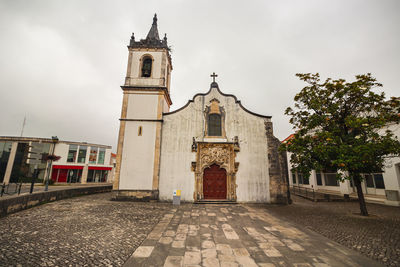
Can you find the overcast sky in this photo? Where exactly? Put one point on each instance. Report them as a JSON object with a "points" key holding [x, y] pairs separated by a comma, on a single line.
{"points": [[62, 62]]}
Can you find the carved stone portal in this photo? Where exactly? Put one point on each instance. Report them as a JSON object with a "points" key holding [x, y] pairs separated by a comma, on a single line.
{"points": [[222, 154]]}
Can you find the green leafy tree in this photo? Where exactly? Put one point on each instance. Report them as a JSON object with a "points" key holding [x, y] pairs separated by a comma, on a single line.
{"points": [[343, 126]]}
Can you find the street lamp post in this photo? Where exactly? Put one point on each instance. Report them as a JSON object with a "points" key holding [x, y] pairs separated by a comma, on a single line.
{"points": [[49, 162]]}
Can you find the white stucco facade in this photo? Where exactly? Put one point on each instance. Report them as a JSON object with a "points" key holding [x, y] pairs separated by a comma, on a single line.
{"points": [[138, 162], [178, 131]]}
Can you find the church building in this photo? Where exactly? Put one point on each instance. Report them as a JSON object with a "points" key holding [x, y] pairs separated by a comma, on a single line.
{"points": [[213, 148]]}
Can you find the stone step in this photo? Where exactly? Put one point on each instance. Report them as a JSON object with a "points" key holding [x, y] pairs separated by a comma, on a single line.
{"points": [[215, 201]]}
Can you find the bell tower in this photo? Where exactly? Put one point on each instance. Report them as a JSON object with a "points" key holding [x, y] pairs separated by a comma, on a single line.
{"points": [[145, 98]]}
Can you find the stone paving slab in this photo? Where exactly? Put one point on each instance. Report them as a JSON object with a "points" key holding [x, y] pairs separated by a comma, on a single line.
{"points": [[237, 235]]}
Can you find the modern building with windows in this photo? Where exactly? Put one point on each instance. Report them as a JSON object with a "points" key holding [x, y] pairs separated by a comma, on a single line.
{"points": [[23, 157], [82, 163], [383, 187]]}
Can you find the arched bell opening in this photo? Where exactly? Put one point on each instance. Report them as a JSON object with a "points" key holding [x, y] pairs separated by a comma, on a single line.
{"points": [[146, 66]]}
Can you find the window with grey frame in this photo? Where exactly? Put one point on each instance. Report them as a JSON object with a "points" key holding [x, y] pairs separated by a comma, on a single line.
{"points": [[93, 155], [82, 154], [374, 180], [102, 153], [294, 178], [319, 178], [306, 179], [300, 178], [331, 179], [72, 153], [214, 125]]}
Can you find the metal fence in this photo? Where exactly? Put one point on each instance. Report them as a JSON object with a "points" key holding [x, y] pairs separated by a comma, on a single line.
{"points": [[10, 189], [311, 194], [305, 192]]}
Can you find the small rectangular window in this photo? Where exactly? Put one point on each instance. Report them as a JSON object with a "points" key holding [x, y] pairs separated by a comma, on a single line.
{"points": [[300, 177], [72, 153], [214, 125], [82, 154], [369, 180], [330, 179], [379, 183], [93, 154], [90, 176], [319, 178], [102, 153], [294, 178], [97, 176]]}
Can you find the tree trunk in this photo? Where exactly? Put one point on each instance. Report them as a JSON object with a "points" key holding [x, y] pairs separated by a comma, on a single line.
{"points": [[361, 200]]}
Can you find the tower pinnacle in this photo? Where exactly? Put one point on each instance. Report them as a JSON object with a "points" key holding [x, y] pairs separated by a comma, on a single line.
{"points": [[152, 39], [155, 19], [153, 33]]}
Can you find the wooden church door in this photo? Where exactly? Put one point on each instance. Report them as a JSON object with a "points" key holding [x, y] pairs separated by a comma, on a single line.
{"points": [[214, 182]]}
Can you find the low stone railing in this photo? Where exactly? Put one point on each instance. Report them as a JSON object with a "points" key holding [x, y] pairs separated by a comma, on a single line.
{"points": [[21, 202]]}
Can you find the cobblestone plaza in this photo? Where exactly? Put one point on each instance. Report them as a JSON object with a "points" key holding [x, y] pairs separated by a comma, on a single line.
{"points": [[94, 231]]}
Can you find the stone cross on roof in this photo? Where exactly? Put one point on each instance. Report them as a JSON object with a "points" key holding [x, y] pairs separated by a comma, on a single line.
{"points": [[213, 76]]}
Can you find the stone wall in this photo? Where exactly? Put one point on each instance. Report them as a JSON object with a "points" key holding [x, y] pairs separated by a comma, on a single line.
{"points": [[135, 195], [14, 204], [278, 169]]}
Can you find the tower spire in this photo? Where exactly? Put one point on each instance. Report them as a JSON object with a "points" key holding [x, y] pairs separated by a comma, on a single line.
{"points": [[152, 39], [155, 19], [153, 33]]}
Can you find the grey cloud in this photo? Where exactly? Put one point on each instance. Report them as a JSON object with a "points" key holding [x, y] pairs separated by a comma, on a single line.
{"points": [[62, 62]]}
